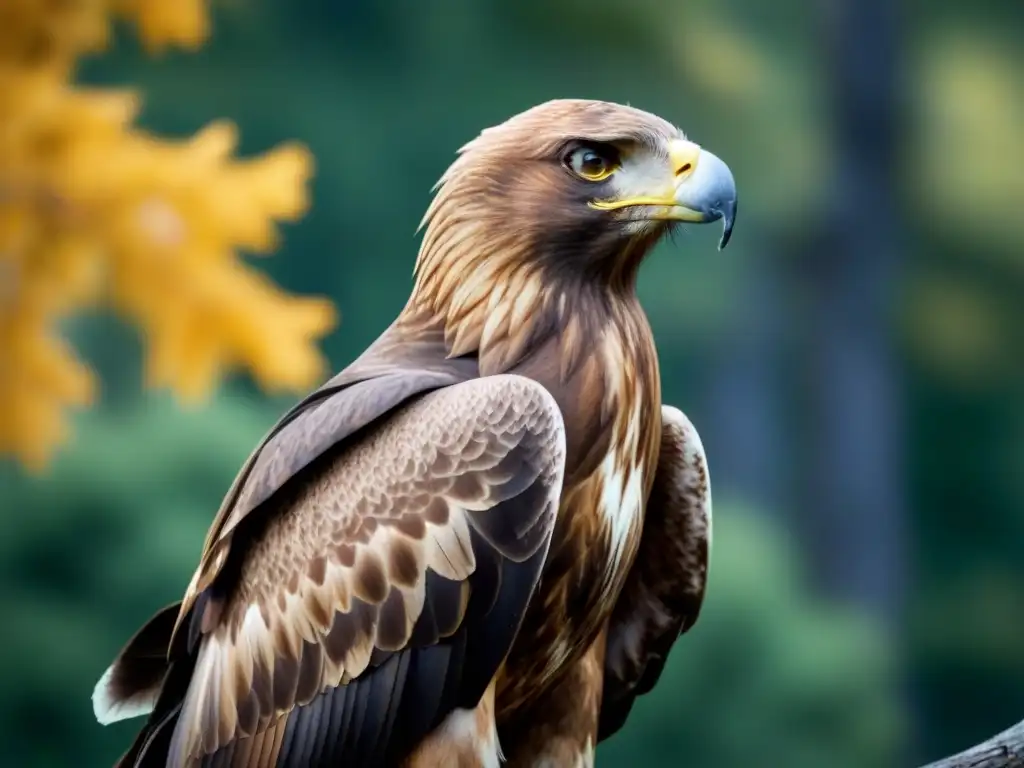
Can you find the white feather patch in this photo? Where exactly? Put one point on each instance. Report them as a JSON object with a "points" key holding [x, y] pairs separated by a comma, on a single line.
{"points": [[110, 710], [462, 727], [622, 490]]}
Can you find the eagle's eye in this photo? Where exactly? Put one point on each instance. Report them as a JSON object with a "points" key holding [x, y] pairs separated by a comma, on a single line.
{"points": [[592, 163]]}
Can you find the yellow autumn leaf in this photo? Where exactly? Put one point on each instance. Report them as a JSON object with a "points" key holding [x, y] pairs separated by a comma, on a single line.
{"points": [[95, 211]]}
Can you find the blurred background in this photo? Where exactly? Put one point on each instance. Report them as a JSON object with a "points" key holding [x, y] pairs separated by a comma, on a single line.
{"points": [[854, 360]]}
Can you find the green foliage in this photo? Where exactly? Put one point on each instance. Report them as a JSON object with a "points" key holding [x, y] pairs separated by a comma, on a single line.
{"points": [[769, 675]]}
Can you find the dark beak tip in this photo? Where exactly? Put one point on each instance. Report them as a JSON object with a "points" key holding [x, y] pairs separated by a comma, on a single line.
{"points": [[726, 236], [728, 216]]}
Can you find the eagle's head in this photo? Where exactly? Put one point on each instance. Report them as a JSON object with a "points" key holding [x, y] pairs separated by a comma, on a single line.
{"points": [[568, 193]]}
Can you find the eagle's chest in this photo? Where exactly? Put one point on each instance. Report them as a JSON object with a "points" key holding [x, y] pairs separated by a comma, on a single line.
{"points": [[592, 549], [611, 407], [601, 517], [620, 485]]}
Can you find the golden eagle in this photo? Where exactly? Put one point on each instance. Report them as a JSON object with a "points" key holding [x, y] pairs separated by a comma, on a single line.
{"points": [[479, 540]]}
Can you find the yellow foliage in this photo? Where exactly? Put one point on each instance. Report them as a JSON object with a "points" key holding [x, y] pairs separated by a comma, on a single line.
{"points": [[94, 210]]}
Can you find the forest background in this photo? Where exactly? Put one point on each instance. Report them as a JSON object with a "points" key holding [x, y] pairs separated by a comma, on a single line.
{"points": [[854, 360]]}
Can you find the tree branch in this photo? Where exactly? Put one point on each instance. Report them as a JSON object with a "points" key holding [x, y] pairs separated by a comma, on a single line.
{"points": [[1004, 750]]}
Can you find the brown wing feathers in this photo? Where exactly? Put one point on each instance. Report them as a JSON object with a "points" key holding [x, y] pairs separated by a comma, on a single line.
{"points": [[389, 382], [311, 428], [379, 588], [663, 594]]}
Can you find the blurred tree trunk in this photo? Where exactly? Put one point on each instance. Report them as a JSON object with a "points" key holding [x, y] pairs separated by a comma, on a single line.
{"points": [[746, 381], [855, 515], [855, 415]]}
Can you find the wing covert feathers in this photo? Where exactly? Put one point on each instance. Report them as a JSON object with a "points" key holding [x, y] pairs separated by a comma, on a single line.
{"points": [[664, 591], [322, 420], [380, 587]]}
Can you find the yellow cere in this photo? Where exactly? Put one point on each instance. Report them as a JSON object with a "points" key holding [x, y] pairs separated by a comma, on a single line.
{"points": [[682, 156]]}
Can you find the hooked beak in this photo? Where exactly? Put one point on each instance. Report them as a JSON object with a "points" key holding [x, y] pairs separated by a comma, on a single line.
{"points": [[703, 190]]}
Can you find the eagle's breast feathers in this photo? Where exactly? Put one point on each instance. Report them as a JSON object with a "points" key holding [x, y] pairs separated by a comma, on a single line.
{"points": [[627, 471], [611, 407]]}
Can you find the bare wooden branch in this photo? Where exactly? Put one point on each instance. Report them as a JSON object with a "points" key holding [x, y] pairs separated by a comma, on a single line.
{"points": [[1004, 750]]}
